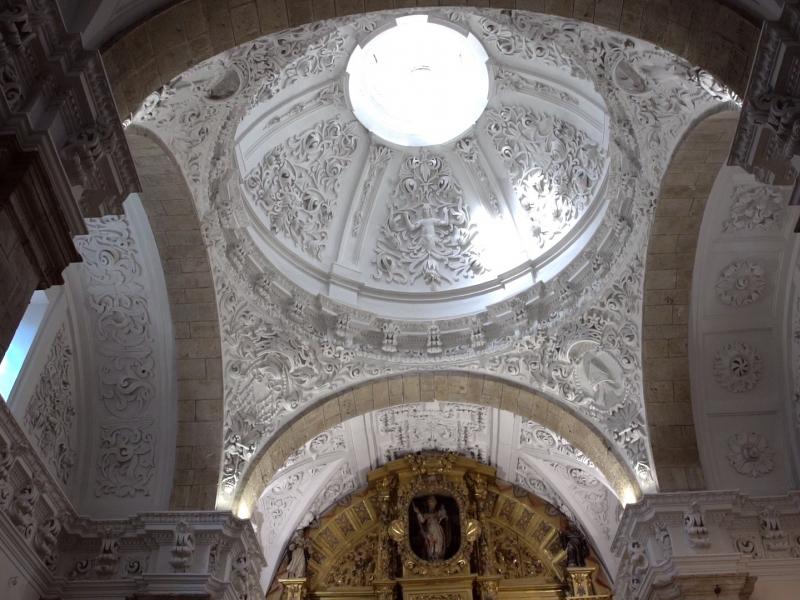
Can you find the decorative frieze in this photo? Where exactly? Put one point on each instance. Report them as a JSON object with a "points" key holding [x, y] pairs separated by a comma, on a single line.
{"points": [[767, 141], [711, 533]]}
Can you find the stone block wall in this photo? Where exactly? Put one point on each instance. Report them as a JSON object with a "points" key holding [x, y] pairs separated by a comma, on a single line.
{"points": [[706, 32]]}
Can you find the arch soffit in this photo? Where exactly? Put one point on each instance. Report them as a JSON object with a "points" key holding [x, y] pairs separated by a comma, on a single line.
{"points": [[170, 209], [449, 386], [669, 266]]}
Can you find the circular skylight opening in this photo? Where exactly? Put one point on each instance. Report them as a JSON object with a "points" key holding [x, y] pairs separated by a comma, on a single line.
{"points": [[418, 83]]}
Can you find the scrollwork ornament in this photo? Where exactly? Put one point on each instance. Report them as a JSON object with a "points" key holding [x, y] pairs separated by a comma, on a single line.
{"points": [[750, 454], [741, 283], [127, 460], [738, 367], [50, 415]]}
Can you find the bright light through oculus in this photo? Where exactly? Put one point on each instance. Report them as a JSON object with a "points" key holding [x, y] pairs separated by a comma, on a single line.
{"points": [[418, 83]]}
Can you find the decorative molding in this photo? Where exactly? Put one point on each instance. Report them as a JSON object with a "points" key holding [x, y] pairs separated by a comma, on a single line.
{"points": [[767, 143], [750, 454], [50, 414], [445, 426], [730, 526], [377, 161], [741, 283], [738, 367], [119, 300]]}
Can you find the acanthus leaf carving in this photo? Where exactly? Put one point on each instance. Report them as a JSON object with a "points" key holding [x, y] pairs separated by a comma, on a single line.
{"points": [[755, 208]]}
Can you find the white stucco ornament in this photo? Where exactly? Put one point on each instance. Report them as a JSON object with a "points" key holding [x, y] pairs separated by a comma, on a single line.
{"points": [[418, 83], [514, 247]]}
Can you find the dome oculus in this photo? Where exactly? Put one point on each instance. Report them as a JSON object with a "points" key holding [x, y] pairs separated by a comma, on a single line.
{"points": [[418, 83]]}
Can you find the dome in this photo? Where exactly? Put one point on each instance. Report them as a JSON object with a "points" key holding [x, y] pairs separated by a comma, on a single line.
{"points": [[359, 198]]}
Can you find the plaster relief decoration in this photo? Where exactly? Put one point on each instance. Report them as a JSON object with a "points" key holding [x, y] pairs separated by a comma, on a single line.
{"points": [[537, 437], [296, 185], [738, 367], [461, 428], [741, 283], [428, 234], [750, 454], [550, 272], [772, 535], [117, 298], [553, 167], [755, 208], [127, 460], [50, 415], [695, 527]]}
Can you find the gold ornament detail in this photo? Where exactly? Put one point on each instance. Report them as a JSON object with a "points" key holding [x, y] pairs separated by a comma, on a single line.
{"points": [[502, 545]]}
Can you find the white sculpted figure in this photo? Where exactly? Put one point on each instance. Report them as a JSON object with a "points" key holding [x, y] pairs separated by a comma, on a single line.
{"points": [[297, 556], [430, 523]]}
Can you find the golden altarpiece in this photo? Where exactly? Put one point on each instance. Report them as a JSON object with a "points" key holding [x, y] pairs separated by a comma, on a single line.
{"points": [[443, 527]]}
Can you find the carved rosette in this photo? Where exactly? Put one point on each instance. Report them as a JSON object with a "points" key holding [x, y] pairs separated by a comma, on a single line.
{"points": [[750, 454], [738, 367], [741, 283]]}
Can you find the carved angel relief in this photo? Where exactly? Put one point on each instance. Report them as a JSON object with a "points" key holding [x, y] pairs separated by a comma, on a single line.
{"points": [[428, 234]]}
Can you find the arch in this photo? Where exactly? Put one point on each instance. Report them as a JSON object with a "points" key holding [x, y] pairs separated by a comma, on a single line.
{"points": [[451, 386], [668, 276], [198, 364], [187, 32]]}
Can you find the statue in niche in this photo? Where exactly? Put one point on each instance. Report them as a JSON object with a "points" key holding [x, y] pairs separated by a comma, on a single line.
{"points": [[297, 556], [433, 525], [576, 546]]}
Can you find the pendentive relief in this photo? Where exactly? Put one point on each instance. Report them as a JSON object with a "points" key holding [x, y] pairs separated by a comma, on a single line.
{"points": [[439, 525]]}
